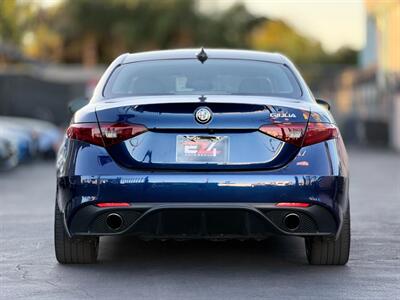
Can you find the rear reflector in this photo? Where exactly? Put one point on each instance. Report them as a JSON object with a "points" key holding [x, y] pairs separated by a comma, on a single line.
{"points": [[298, 135], [292, 204], [113, 204], [106, 134]]}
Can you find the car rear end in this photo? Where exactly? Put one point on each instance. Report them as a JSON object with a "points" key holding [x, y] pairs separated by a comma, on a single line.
{"points": [[200, 165]]}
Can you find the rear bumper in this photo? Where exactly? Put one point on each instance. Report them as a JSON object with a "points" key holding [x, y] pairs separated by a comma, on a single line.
{"points": [[245, 191], [88, 175], [204, 221]]}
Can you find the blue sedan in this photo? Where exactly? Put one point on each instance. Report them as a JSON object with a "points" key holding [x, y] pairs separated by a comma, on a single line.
{"points": [[203, 144]]}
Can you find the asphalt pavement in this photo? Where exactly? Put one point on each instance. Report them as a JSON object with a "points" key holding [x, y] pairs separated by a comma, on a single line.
{"points": [[133, 269]]}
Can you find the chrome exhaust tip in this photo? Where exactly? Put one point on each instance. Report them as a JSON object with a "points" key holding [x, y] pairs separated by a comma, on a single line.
{"points": [[114, 221], [292, 221]]}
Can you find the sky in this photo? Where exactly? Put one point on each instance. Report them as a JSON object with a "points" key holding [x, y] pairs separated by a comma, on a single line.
{"points": [[335, 23]]}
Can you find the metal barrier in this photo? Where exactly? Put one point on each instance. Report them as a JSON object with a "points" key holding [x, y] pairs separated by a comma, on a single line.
{"points": [[26, 96]]}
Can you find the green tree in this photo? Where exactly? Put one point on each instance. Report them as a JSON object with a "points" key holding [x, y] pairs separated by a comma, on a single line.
{"points": [[345, 55], [15, 17], [96, 31], [277, 36]]}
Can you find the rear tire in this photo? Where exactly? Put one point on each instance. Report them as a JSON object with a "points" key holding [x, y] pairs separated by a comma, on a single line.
{"points": [[328, 251], [78, 250]]}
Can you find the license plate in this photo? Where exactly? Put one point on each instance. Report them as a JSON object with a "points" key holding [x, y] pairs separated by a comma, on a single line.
{"points": [[202, 149]]}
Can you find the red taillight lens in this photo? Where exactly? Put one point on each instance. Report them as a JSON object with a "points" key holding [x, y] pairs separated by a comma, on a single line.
{"points": [[106, 135], [292, 204], [116, 133], [298, 135], [319, 132], [86, 132], [287, 132], [113, 204]]}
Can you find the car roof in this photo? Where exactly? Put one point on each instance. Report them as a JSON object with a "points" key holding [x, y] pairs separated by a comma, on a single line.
{"points": [[211, 53]]}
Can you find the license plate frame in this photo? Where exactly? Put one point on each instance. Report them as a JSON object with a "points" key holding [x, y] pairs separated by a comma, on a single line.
{"points": [[198, 149]]}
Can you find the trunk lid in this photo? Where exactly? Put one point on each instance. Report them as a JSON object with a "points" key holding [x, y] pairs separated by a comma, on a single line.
{"points": [[176, 140]]}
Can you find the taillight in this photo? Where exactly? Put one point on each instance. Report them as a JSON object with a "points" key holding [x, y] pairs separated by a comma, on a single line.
{"points": [[298, 135], [319, 132], [85, 132], [106, 135], [116, 133], [292, 133]]}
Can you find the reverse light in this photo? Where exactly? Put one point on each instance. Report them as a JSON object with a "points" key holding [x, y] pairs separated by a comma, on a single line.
{"points": [[292, 204], [112, 204], [299, 134], [105, 135]]}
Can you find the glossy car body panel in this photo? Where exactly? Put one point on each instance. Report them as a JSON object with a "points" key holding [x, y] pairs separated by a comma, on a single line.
{"points": [[92, 176], [261, 172]]}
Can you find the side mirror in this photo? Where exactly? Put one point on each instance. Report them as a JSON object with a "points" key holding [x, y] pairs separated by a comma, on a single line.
{"points": [[324, 103], [77, 104]]}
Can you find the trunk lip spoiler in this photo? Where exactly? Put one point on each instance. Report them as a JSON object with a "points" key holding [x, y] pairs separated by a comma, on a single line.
{"points": [[226, 99]]}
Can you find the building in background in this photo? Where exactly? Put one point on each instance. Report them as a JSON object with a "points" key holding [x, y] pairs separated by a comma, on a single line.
{"points": [[382, 48], [368, 98], [383, 41]]}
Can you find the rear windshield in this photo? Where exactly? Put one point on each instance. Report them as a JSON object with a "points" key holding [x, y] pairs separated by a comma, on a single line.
{"points": [[213, 77]]}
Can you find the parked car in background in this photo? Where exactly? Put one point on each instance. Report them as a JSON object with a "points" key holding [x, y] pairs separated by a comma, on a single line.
{"points": [[45, 136], [22, 140], [8, 154]]}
